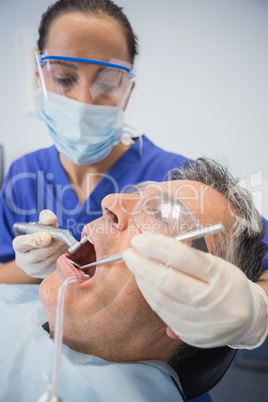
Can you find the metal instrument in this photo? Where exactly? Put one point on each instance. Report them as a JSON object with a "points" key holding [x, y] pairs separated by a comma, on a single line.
{"points": [[58, 234], [196, 234]]}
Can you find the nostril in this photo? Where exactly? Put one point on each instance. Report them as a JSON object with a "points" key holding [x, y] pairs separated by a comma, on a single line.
{"points": [[112, 216], [114, 212]]}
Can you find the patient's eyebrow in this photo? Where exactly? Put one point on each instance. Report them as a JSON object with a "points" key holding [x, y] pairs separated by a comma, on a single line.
{"points": [[65, 64]]}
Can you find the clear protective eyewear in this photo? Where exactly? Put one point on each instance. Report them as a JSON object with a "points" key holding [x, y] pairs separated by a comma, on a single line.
{"points": [[160, 210], [95, 81]]}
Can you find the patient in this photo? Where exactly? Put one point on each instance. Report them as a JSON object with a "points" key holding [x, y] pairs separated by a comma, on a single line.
{"points": [[107, 322]]}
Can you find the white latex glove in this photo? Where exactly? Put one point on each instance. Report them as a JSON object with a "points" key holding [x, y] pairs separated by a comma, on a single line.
{"points": [[37, 253], [205, 300]]}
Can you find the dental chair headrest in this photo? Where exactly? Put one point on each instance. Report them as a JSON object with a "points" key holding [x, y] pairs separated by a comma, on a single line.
{"points": [[204, 370]]}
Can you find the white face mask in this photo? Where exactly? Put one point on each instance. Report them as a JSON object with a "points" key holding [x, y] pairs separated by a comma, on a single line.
{"points": [[84, 133]]}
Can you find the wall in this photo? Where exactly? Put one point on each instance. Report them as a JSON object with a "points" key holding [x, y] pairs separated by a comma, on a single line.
{"points": [[202, 81]]}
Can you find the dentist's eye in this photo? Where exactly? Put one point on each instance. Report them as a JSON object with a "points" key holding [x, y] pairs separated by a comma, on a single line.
{"points": [[107, 88], [64, 82]]}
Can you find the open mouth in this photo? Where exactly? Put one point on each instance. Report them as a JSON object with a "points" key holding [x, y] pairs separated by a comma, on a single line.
{"points": [[86, 255]]}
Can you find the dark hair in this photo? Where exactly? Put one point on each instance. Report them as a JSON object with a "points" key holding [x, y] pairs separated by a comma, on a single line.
{"points": [[96, 8], [241, 243]]}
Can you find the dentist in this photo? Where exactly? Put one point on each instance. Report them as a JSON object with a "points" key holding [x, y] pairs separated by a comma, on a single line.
{"points": [[85, 77]]}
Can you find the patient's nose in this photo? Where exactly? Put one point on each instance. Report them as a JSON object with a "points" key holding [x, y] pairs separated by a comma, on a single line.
{"points": [[118, 208]]}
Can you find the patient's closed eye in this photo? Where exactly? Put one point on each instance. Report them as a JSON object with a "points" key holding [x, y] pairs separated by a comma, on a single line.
{"points": [[161, 217]]}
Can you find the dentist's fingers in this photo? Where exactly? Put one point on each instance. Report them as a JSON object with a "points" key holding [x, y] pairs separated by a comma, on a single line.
{"points": [[172, 252], [37, 253], [25, 243], [159, 276], [47, 217], [206, 301]]}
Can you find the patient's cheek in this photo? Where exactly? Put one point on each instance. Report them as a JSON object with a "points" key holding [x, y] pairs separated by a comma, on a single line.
{"points": [[47, 294]]}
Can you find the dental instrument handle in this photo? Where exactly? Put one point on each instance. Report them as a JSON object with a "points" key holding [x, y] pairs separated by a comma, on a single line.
{"points": [[57, 234], [199, 233]]}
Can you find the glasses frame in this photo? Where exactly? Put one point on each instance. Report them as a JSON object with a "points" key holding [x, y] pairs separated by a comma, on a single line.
{"points": [[40, 59], [89, 61]]}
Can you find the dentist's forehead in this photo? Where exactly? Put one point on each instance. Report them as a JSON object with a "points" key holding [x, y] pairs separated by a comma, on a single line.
{"points": [[87, 35], [206, 203]]}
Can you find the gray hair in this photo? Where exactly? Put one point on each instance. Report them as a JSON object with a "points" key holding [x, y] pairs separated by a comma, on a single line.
{"points": [[241, 242]]}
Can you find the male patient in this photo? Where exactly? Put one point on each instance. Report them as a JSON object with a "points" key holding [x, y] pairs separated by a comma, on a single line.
{"points": [[115, 347]]}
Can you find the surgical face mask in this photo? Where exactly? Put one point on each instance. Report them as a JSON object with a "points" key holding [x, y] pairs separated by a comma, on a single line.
{"points": [[83, 133]]}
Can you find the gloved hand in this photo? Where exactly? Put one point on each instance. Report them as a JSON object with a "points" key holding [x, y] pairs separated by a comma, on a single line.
{"points": [[37, 253], [205, 300]]}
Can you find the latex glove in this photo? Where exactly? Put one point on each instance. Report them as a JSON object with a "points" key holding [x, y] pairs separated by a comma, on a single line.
{"points": [[205, 300], [37, 253]]}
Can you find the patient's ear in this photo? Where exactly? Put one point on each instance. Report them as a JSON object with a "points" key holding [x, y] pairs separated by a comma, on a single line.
{"points": [[171, 334]]}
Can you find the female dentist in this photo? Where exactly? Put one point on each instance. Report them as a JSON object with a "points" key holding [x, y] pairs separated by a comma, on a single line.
{"points": [[84, 71]]}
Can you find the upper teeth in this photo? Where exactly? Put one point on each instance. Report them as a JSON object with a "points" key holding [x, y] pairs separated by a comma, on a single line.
{"points": [[73, 262], [86, 238], [89, 239]]}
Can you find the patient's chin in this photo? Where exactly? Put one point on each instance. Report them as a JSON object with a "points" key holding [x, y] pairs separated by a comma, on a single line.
{"points": [[48, 296], [171, 334]]}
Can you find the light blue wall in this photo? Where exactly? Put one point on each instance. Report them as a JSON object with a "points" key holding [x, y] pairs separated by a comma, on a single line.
{"points": [[202, 80]]}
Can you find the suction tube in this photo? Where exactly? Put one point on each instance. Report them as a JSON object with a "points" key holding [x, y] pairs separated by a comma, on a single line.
{"points": [[58, 337]]}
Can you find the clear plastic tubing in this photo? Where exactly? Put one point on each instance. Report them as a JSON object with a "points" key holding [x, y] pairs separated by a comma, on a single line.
{"points": [[58, 336]]}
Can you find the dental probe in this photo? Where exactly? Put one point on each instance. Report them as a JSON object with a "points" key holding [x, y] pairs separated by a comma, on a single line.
{"points": [[113, 258], [194, 235], [58, 234], [199, 233]]}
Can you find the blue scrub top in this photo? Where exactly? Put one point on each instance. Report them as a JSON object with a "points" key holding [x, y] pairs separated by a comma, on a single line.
{"points": [[265, 240], [38, 181]]}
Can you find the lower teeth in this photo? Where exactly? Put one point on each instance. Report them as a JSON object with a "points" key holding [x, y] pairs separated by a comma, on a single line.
{"points": [[84, 275]]}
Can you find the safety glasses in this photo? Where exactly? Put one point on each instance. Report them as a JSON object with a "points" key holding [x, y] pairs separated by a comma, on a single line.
{"points": [[94, 81], [159, 210]]}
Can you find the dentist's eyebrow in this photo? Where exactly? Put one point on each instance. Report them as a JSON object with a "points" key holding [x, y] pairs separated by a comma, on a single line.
{"points": [[73, 66], [63, 63]]}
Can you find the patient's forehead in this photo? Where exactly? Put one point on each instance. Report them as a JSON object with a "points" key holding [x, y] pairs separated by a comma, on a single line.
{"points": [[208, 204]]}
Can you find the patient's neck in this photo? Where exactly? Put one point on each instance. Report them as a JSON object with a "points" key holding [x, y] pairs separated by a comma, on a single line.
{"points": [[150, 348]]}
